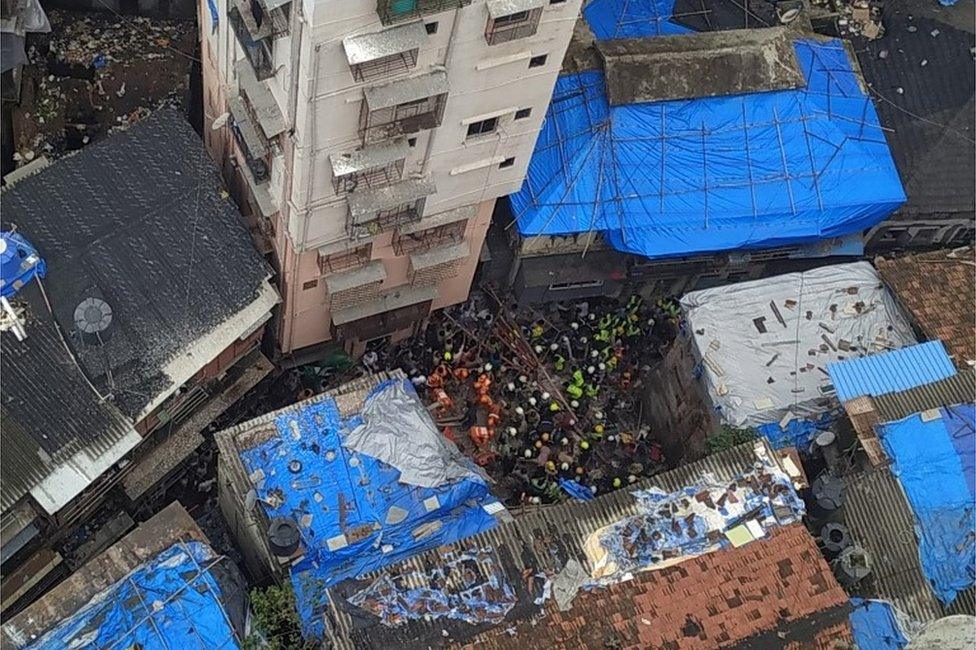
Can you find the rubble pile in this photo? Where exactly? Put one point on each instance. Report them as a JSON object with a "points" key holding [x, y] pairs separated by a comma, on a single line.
{"points": [[95, 73], [547, 403]]}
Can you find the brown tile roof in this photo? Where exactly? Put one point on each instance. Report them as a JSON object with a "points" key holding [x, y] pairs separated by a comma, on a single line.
{"points": [[938, 289], [778, 589]]}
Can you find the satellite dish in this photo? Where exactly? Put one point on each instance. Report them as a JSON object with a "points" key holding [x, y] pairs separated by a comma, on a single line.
{"points": [[788, 16]]}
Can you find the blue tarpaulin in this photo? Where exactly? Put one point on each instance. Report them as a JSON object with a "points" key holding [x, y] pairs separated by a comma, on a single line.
{"points": [[354, 513], [798, 432], [610, 19], [172, 602], [889, 372], [670, 178], [875, 626], [934, 458]]}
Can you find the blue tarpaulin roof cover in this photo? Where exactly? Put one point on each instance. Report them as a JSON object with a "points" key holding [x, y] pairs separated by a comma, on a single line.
{"points": [[934, 457], [875, 626], [893, 371], [354, 512], [670, 178], [174, 601]]}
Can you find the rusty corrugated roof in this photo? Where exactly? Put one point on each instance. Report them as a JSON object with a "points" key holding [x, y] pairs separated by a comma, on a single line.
{"points": [[958, 389], [882, 522], [783, 573], [938, 289]]}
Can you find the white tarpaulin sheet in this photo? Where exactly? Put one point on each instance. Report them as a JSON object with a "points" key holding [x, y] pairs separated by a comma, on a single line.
{"points": [[765, 345]]}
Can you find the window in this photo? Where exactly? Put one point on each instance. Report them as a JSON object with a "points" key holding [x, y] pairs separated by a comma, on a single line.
{"points": [[311, 284], [431, 28], [556, 2], [353, 259], [521, 24], [482, 127], [538, 61], [508, 162], [412, 142], [523, 113]]}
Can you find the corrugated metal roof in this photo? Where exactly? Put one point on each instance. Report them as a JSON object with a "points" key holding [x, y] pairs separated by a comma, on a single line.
{"points": [[891, 371], [958, 389], [880, 519], [406, 90], [499, 8], [369, 47], [364, 205], [371, 157], [555, 533]]}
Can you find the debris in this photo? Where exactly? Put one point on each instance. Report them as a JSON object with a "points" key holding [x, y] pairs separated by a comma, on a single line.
{"points": [[779, 316]]}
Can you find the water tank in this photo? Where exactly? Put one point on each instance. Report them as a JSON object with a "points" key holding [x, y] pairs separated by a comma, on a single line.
{"points": [[283, 536], [19, 263]]}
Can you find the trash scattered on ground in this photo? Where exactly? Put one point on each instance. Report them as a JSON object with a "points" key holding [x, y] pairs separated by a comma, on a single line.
{"points": [[95, 73]]}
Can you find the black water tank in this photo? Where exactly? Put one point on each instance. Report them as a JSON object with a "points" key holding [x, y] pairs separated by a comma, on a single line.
{"points": [[283, 536]]}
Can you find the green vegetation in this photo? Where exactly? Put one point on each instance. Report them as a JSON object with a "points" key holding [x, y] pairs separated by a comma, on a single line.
{"points": [[276, 621], [729, 437]]}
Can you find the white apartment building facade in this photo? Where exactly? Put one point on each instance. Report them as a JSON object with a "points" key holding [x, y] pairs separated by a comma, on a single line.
{"points": [[370, 141]]}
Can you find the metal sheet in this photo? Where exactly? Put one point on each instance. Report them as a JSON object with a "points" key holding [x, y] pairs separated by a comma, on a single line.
{"points": [[371, 157], [369, 47], [499, 8], [249, 130], [387, 302], [406, 90], [440, 219], [440, 255], [363, 205], [372, 272], [262, 100]]}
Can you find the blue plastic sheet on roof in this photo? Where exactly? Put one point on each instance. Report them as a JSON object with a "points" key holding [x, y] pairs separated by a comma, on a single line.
{"points": [[797, 433], [19, 263], [171, 602], [875, 626], [878, 374], [671, 178], [610, 19], [934, 458], [354, 514]]}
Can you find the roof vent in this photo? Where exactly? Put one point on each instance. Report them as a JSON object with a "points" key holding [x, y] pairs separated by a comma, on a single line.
{"points": [[283, 536], [93, 316]]}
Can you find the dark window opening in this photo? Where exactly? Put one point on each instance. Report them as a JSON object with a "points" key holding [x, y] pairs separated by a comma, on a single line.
{"points": [[508, 162], [538, 61], [412, 142], [482, 127], [311, 284], [431, 28], [523, 113], [517, 17]]}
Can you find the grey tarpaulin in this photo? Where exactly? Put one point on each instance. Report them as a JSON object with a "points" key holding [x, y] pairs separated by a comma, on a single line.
{"points": [[567, 583], [12, 51], [765, 345], [398, 430]]}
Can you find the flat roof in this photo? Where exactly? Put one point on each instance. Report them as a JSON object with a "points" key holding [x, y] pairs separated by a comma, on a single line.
{"points": [[363, 48], [406, 90]]}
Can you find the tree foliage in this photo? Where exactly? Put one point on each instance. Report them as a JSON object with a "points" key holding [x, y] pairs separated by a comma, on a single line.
{"points": [[729, 437], [276, 621]]}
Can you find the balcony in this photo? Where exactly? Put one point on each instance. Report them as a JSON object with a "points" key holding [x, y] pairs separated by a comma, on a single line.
{"points": [[370, 167], [396, 11], [344, 260], [388, 312], [260, 101], [250, 139], [374, 211], [258, 51], [384, 54], [403, 107], [509, 20], [407, 240], [436, 264]]}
